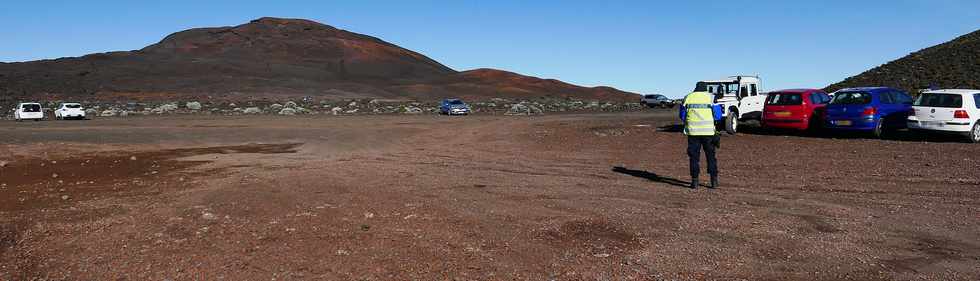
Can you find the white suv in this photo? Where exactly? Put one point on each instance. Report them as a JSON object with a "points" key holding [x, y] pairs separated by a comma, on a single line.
{"points": [[69, 110], [949, 111], [28, 111]]}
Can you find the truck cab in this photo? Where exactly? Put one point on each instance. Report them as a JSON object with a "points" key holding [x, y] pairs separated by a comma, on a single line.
{"points": [[741, 99]]}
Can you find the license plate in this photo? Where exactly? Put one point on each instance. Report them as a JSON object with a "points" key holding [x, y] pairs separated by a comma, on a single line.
{"points": [[933, 124], [843, 122], [783, 113]]}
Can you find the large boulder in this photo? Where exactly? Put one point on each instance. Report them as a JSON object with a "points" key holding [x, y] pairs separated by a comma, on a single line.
{"points": [[195, 106], [252, 110], [290, 104], [287, 111], [413, 110], [165, 108], [336, 110], [107, 113], [524, 109], [275, 107]]}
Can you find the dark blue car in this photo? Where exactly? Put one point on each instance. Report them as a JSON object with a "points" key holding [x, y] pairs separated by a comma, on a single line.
{"points": [[454, 107], [870, 109]]}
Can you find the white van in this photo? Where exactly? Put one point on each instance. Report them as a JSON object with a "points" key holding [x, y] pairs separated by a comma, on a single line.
{"points": [[28, 111], [949, 111]]}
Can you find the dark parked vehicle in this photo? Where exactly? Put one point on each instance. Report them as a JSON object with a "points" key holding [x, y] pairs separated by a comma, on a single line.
{"points": [[869, 109], [657, 101], [454, 107]]}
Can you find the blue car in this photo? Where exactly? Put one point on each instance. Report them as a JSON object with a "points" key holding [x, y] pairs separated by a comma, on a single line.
{"points": [[870, 109], [454, 107]]}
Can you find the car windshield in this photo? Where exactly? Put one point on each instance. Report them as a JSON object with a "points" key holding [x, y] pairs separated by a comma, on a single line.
{"points": [[939, 100], [784, 99], [31, 108], [455, 102], [851, 98], [74, 105]]}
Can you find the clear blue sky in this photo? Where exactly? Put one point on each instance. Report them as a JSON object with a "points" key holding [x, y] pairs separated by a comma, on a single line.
{"points": [[639, 46]]}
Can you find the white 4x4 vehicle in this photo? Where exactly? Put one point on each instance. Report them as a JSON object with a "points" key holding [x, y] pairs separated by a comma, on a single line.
{"points": [[69, 110], [949, 111], [28, 111], [740, 97]]}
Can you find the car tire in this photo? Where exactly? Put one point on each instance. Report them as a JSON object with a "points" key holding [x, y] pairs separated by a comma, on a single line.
{"points": [[731, 123], [879, 130], [975, 134]]}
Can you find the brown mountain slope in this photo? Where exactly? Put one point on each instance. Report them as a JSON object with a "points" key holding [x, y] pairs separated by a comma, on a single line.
{"points": [[270, 56], [954, 64]]}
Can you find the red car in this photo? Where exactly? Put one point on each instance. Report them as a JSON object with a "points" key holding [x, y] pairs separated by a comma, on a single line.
{"points": [[798, 109]]}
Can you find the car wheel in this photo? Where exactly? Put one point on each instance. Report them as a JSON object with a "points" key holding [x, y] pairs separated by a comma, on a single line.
{"points": [[731, 123], [975, 135], [879, 129]]}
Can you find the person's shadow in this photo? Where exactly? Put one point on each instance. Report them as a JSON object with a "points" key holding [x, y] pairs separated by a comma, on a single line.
{"points": [[651, 176]]}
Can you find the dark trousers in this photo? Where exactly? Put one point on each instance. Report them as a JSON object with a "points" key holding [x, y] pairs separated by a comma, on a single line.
{"points": [[694, 146]]}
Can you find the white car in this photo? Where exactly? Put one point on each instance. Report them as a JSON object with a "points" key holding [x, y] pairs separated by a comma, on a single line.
{"points": [[741, 98], [69, 111], [947, 111], [28, 111]]}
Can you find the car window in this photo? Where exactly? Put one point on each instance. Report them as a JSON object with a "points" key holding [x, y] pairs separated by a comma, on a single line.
{"points": [[886, 97], [784, 99], [851, 98], [903, 98], [755, 90], [939, 100], [31, 108], [745, 91], [976, 100]]}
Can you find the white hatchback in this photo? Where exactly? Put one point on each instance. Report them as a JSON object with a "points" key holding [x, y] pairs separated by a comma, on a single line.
{"points": [[948, 111], [28, 111], [69, 110]]}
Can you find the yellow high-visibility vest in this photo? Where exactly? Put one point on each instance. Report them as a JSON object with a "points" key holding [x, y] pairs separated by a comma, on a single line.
{"points": [[699, 120]]}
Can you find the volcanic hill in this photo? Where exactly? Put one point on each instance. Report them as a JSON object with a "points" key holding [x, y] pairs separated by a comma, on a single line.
{"points": [[954, 64], [270, 57]]}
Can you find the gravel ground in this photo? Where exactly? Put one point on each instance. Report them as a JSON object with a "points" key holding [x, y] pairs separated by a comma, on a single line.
{"points": [[557, 197]]}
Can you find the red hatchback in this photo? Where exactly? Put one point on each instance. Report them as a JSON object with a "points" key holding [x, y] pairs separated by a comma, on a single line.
{"points": [[799, 109]]}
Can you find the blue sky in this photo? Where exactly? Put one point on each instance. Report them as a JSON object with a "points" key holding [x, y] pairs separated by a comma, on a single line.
{"points": [[640, 46]]}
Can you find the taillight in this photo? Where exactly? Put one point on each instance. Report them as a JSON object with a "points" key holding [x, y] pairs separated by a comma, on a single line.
{"points": [[869, 111], [961, 114]]}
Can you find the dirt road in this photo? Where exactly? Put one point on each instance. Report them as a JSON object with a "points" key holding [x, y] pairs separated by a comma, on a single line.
{"points": [[563, 197]]}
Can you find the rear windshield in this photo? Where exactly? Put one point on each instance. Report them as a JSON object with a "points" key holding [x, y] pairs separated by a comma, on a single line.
{"points": [[31, 108], [939, 100], [851, 98], [455, 102], [73, 106], [784, 99]]}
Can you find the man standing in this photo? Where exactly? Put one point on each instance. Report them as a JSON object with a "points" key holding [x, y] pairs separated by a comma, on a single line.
{"points": [[699, 117]]}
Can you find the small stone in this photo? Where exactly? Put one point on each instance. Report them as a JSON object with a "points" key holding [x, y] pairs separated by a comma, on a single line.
{"points": [[602, 255], [343, 253], [65, 197], [208, 216], [4, 164], [368, 215], [132, 158], [54, 176]]}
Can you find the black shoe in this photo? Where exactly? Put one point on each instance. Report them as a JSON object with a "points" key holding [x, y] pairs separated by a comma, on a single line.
{"points": [[714, 182], [694, 183]]}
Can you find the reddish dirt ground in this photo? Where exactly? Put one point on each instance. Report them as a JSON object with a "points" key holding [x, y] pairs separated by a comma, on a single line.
{"points": [[562, 197]]}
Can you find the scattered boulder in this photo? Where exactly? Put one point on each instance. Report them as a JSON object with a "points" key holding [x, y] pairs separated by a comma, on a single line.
{"points": [[275, 107], [91, 112], [252, 110], [193, 105], [287, 111], [352, 104], [290, 104], [336, 110], [413, 110], [107, 113], [165, 108]]}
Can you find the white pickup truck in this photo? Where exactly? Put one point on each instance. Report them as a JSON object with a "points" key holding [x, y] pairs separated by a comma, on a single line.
{"points": [[741, 98]]}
